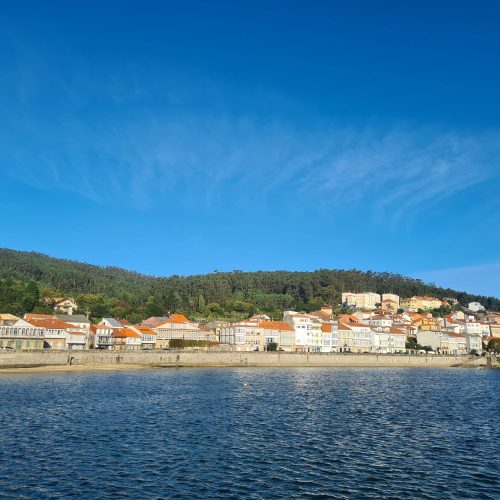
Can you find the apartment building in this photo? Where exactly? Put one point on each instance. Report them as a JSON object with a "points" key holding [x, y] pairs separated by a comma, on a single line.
{"points": [[366, 300], [307, 328], [387, 340]]}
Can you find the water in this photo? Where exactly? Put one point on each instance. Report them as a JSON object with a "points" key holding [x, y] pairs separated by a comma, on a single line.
{"points": [[358, 433]]}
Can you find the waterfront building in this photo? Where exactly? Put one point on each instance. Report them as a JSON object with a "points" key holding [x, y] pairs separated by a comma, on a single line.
{"points": [[148, 336], [366, 300], [473, 342], [307, 328], [16, 333], [216, 327], [279, 332], [126, 339], [361, 337], [346, 340], [330, 337], [242, 335], [255, 335], [175, 326], [387, 340], [457, 344], [77, 340], [55, 332], [102, 336]]}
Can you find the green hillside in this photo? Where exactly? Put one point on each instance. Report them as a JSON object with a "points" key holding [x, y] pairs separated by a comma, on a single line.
{"points": [[27, 278]]}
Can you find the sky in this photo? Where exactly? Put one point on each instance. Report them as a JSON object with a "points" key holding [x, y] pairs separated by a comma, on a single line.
{"points": [[183, 137]]}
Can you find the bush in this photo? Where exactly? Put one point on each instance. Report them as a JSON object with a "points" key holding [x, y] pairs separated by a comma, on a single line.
{"points": [[272, 346], [177, 343]]}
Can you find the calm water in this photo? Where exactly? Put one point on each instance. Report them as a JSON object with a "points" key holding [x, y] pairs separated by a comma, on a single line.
{"points": [[363, 433]]}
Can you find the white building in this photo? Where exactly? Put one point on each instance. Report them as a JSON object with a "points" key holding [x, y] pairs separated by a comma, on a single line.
{"points": [[16, 333], [475, 306], [457, 344], [102, 336], [383, 321], [330, 339], [388, 340], [308, 333]]}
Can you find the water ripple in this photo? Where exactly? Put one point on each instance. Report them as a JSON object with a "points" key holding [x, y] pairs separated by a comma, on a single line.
{"points": [[251, 433]]}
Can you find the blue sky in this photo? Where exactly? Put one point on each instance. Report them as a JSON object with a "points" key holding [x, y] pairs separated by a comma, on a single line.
{"points": [[184, 137]]}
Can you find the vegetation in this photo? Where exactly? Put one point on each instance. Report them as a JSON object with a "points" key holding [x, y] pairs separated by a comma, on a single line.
{"points": [[181, 343], [28, 279], [493, 345], [272, 346]]}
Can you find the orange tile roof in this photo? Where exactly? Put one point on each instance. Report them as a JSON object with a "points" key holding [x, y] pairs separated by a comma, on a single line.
{"points": [[146, 330], [121, 333], [276, 325], [326, 327], [179, 318], [397, 331], [50, 324], [94, 328]]}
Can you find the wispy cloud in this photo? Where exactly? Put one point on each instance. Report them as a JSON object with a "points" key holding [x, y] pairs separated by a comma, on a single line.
{"points": [[110, 137]]}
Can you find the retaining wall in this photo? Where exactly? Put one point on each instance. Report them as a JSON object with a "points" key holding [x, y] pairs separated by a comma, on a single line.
{"points": [[220, 359]]}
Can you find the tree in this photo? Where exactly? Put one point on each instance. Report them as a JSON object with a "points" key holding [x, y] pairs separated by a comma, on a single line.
{"points": [[272, 346], [494, 344]]}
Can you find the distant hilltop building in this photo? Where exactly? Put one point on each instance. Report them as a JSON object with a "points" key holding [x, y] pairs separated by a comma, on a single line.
{"points": [[421, 302], [366, 300], [390, 302], [475, 306], [62, 305]]}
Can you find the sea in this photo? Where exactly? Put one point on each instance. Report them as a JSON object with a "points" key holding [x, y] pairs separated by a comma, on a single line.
{"points": [[251, 433]]}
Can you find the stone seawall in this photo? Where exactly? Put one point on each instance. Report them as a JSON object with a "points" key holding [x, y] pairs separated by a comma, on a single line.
{"points": [[226, 359]]}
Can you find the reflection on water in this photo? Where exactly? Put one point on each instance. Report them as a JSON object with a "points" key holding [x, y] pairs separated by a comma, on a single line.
{"points": [[252, 433]]}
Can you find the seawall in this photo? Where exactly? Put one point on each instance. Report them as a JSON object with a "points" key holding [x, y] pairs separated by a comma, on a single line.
{"points": [[10, 360]]}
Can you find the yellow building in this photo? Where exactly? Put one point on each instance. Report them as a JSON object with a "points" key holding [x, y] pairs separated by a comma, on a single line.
{"points": [[421, 302], [430, 325]]}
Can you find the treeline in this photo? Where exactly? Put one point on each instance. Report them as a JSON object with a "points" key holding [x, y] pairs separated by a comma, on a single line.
{"points": [[111, 291]]}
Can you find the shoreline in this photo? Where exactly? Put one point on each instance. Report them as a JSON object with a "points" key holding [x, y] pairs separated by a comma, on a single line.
{"points": [[49, 369]]}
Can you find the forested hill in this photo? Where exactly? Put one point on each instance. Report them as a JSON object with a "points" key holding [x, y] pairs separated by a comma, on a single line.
{"points": [[27, 278]]}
